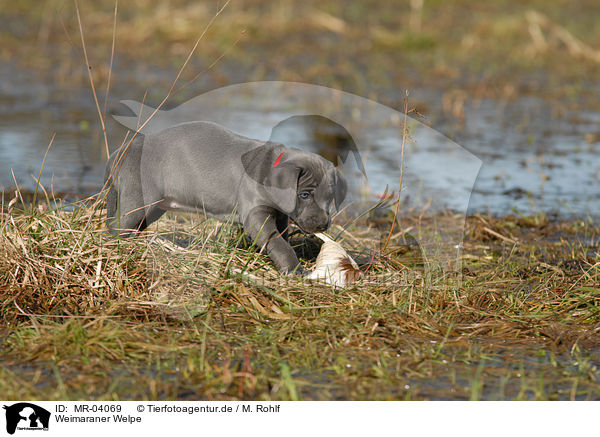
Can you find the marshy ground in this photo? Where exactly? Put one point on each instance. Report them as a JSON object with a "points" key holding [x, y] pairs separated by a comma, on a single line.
{"points": [[167, 316]]}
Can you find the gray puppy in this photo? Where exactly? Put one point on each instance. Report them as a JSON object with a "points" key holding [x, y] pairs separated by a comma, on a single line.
{"points": [[203, 167]]}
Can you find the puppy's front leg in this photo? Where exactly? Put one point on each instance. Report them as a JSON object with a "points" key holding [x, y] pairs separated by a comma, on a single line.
{"points": [[261, 225], [282, 222]]}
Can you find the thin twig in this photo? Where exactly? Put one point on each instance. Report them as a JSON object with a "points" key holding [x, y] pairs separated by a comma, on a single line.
{"points": [[502, 237], [40, 174], [112, 56], [404, 133], [89, 69], [221, 56]]}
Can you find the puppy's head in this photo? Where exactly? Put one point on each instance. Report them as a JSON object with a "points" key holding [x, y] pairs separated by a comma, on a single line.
{"points": [[303, 185]]}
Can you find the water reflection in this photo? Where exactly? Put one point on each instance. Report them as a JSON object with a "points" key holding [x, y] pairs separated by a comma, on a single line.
{"points": [[546, 164]]}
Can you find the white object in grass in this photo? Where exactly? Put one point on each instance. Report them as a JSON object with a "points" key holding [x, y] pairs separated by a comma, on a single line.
{"points": [[334, 266]]}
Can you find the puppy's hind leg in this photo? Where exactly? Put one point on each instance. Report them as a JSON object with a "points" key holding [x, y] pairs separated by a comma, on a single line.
{"points": [[127, 211], [128, 219], [153, 213], [124, 201]]}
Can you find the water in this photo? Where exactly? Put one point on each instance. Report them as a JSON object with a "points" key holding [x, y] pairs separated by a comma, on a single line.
{"points": [[31, 113], [532, 161]]}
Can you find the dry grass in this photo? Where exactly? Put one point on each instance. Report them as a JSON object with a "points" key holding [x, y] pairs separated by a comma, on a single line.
{"points": [[167, 316]]}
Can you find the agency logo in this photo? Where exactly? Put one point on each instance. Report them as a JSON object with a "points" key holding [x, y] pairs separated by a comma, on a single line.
{"points": [[26, 417]]}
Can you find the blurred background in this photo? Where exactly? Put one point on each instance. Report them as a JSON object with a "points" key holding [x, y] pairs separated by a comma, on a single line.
{"points": [[513, 82]]}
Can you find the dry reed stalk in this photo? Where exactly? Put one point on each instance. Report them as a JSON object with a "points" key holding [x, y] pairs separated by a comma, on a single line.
{"points": [[37, 184], [91, 78], [397, 208], [110, 67]]}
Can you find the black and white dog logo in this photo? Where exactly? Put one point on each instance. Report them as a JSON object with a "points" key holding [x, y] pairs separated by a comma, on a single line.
{"points": [[26, 416]]}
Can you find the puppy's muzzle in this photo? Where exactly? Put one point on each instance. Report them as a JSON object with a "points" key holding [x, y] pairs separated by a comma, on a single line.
{"points": [[311, 226]]}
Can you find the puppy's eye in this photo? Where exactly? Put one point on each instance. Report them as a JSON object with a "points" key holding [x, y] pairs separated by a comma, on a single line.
{"points": [[304, 195]]}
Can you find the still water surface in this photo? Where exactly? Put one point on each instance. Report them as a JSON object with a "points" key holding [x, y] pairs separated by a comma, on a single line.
{"points": [[532, 161]]}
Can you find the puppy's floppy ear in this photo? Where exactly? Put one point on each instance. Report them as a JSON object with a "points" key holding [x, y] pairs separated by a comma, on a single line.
{"points": [[340, 190], [268, 165]]}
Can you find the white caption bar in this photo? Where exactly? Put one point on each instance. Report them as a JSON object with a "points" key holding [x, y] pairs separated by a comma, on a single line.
{"points": [[247, 418]]}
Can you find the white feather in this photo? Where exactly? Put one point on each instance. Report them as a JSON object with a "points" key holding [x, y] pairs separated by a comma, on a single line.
{"points": [[334, 266]]}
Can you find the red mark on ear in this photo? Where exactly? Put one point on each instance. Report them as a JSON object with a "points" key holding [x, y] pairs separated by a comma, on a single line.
{"points": [[277, 160]]}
